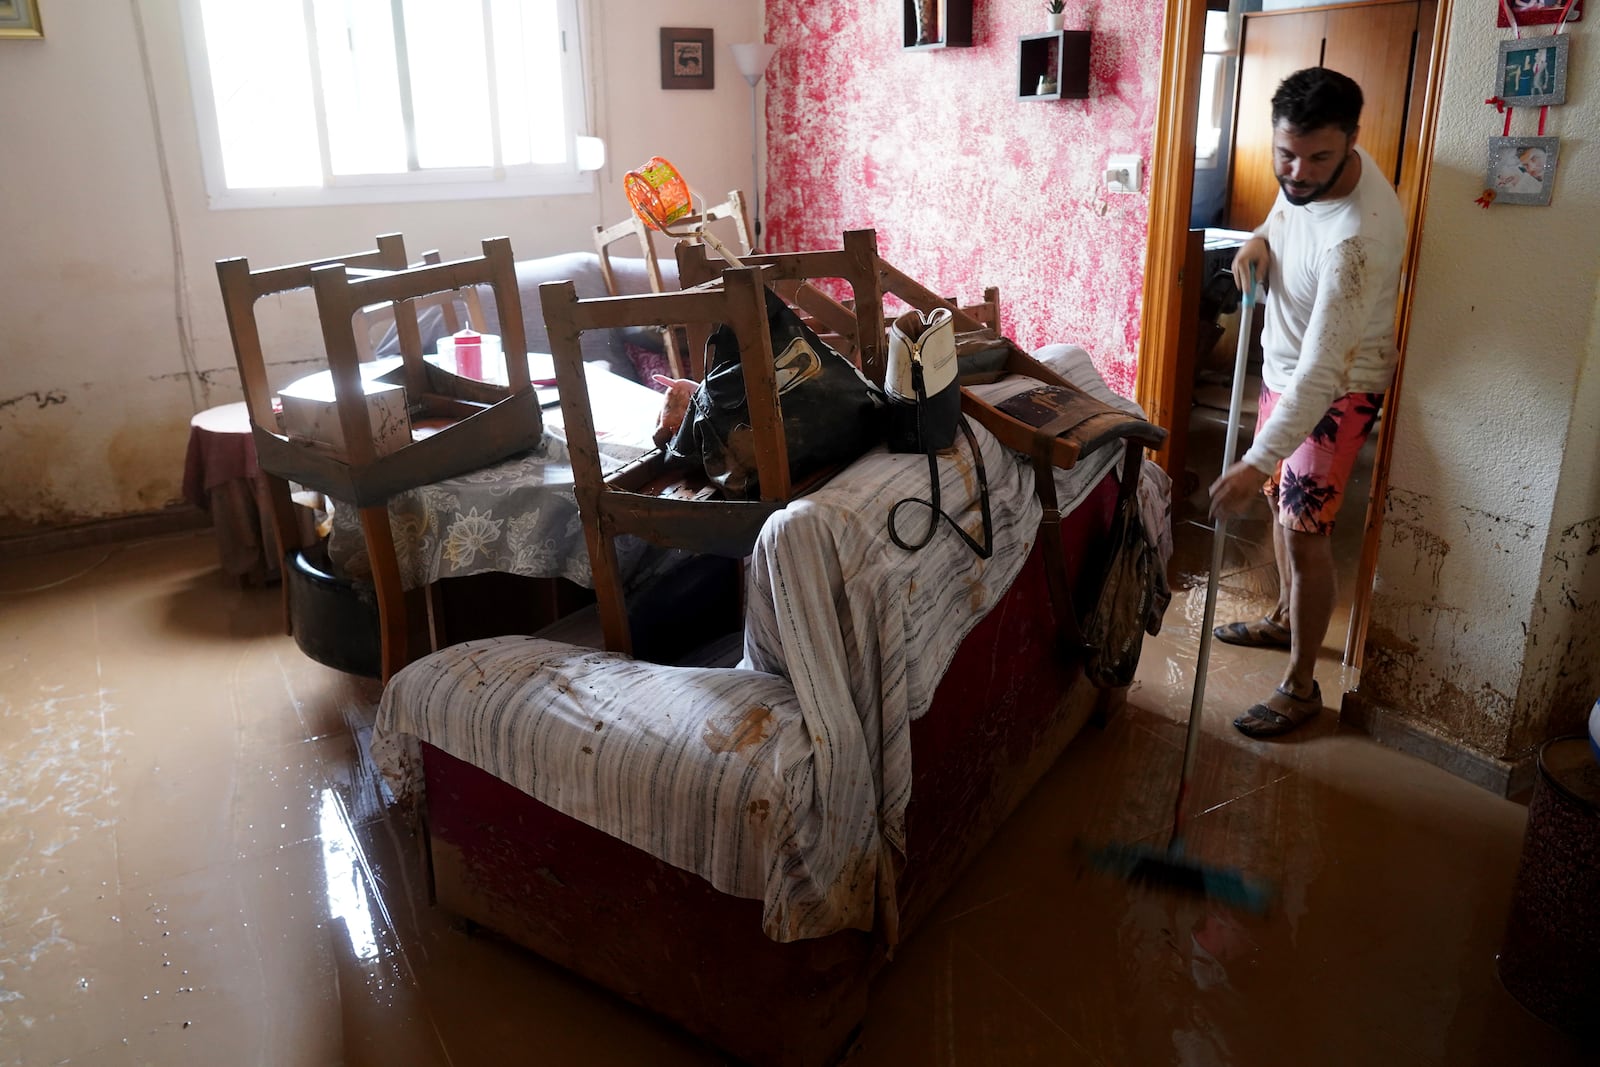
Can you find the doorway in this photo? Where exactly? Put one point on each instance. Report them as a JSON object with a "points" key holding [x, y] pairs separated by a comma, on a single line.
{"points": [[1175, 273]]}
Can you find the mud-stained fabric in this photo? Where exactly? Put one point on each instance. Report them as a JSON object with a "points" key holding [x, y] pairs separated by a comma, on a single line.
{"points": [[1329, 326], [709, 770], [864, 629], [786, 779]]}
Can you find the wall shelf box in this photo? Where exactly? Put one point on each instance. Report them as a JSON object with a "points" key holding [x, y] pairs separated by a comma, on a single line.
{"points": [[953, 25], [1058, 55]]}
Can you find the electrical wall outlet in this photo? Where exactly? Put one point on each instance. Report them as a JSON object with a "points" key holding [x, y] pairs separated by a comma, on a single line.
{"points": [[1122, 174]]}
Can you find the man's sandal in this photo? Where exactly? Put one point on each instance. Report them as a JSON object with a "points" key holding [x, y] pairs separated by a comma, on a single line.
{"points": [[1258, 633], [1264, 721]]}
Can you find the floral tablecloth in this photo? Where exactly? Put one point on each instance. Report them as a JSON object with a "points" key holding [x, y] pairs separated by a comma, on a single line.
{"points": [[520, 515]]}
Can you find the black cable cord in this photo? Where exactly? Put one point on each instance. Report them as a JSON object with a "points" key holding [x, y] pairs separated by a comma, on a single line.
{"points": [[983, 550]]}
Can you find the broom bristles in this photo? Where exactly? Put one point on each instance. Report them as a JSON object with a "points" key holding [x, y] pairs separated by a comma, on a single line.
{"points": [[1168, 869]]}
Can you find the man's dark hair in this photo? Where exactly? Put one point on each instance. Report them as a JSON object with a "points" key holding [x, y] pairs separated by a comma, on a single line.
{"points": [[1316, 97]]}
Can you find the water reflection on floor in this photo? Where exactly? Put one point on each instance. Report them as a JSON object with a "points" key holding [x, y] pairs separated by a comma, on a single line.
{"points": [[195, 867]]}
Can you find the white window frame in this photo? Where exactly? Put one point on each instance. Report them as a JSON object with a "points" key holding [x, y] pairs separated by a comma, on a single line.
{"points": [[465, 183]]}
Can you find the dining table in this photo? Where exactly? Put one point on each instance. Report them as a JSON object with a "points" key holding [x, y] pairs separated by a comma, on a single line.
{"points": [[519, 516]]}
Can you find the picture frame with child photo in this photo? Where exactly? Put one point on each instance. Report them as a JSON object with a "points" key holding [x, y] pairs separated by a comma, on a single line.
{"points": [[1522, 170]]}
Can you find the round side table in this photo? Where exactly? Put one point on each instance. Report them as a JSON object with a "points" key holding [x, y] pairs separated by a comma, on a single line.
{"points": [[220, 476]]}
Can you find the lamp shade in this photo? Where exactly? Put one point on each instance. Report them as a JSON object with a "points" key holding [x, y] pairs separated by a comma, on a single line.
{"points": [[752, 59]]}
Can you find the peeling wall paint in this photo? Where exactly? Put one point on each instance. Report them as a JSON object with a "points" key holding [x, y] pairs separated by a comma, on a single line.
{"points": [[1483, 621], [965, 185]]}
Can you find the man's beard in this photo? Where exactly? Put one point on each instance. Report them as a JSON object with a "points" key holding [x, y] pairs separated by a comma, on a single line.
{"points": [[1302, 201]]}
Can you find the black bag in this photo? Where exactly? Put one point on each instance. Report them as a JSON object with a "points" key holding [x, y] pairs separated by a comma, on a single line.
{"points": [[831, 412], [1115, 628]]}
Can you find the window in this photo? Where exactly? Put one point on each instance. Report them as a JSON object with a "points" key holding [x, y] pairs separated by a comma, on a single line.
{"points": [[357, 101]]}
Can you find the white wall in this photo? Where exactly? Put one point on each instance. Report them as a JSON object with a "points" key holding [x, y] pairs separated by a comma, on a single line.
{"points": [[111, 328], [1484, 617]]}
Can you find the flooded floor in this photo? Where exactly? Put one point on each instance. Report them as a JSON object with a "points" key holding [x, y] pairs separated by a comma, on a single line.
{"points": [[195, 868]]}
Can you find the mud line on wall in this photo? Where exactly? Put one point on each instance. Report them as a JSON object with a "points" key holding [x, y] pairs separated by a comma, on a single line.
{"points": [[43, 400], [1562, 678]]}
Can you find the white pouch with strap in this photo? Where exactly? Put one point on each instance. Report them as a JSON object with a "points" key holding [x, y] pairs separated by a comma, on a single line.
{"points": [[921, 380]]}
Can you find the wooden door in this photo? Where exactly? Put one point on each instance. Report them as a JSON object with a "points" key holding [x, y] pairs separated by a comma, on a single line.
{"points": [[1274, 46], [1373, 44], [1411, 140]]}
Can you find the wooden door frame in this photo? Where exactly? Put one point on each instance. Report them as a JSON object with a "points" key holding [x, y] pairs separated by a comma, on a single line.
{"points": [[1172, 190]]}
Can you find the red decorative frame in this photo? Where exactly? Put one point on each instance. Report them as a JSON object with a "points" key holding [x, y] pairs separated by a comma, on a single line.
{"points": [[1537, 12]]}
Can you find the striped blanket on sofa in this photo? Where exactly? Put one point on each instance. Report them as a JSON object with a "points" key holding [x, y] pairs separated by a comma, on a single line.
{"points": [[785, 779]]}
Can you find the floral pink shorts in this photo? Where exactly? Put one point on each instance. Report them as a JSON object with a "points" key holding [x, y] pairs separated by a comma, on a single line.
{"points": [[1307, 488]]}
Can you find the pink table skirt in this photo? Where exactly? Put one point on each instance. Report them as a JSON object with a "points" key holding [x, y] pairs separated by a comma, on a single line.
{"points": [[220, 476]]}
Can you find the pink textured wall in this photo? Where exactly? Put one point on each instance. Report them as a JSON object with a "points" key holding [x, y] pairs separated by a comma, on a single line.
{"points": [[966, 185]]}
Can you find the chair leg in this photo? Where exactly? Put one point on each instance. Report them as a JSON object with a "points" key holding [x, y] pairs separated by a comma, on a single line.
{"points": [[287, 528], [677, 365], [608, 596], [393, 632]]}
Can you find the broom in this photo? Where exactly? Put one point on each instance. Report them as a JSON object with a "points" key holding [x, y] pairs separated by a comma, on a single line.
{"points": [[1170, 868]]}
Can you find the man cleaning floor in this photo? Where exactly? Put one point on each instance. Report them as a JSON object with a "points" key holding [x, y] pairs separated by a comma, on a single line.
{"points": [[1329, 253]]}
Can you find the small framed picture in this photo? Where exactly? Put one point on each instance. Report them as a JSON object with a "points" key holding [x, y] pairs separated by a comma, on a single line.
{"points": [[687, 59], [1538, 12], [1533, 71], [20, 18], [1522, 170]]}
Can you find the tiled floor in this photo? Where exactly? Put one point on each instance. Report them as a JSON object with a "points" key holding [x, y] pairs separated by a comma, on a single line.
{"points": [[196, 871]]}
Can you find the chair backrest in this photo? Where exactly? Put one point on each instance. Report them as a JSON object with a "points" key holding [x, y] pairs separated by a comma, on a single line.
{"points": [[732, 209], [919, 296], [857, 331], [450, 305], [646, 499], [629, 228], [341, 294], [678, 345], [987, 310], [243, 287]]}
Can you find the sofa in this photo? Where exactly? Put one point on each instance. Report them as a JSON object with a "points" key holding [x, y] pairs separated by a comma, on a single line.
{"points": [[738, 838]]}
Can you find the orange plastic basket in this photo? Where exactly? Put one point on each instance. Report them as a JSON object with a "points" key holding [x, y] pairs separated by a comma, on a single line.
{"points": [[658, 193]]}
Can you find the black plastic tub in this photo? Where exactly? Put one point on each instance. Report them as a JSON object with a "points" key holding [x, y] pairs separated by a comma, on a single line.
{"points": [[335, 620]]}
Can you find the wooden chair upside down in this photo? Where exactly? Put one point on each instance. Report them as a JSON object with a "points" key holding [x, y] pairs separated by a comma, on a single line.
{"points": [[855, 331], [457, 308], [671, 508], [472, 423], [241, 289], [732, 209]]}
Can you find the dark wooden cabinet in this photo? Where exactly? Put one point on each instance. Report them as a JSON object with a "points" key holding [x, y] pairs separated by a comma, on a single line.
{"points": [[936, 24], [1058, 58], [1377, 44]]}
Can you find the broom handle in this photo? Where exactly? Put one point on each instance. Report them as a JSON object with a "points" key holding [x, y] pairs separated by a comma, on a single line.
{"points": [[1219, 539]]}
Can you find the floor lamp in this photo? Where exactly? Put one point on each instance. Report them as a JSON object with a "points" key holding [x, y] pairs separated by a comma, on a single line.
{"points": [[752, 60]]}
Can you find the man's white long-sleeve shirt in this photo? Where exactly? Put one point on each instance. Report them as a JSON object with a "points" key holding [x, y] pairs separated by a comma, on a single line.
{"points": [[1330, 312]]}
